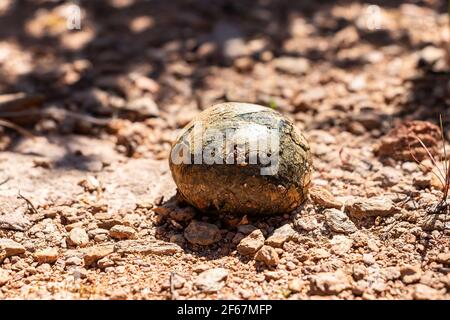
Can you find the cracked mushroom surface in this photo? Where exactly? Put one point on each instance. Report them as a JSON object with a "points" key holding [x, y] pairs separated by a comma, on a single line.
{"points": [[275, 181]]}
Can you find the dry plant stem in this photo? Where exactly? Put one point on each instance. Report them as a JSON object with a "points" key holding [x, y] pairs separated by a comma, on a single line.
{"points": [[173, 294], [438, 174], [8, 124], [58, 113], [443, 175], [447, 169], [5, 180], [342, 157], [30, 205]]}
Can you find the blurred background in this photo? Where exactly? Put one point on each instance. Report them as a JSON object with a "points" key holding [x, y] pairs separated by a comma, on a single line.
{"points": [[139, 69]]}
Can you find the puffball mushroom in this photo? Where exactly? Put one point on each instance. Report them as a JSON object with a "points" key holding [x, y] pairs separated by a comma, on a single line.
{"points": [[240, 158]]}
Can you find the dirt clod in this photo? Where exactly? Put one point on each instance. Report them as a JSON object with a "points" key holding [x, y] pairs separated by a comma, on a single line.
{"points": [[202, 233], [268, 256], [251, 243], [401, 142]]}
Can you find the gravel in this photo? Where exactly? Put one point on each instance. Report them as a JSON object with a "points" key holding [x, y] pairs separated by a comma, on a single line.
{"points": [[280, 236], [120, 232], [211, 280], [328, 283]]}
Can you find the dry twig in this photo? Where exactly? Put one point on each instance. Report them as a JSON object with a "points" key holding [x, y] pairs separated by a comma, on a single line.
{"points": [[9, 124], [30, 205]]}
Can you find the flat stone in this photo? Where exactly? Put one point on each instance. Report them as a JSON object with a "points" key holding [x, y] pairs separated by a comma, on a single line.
{"points": [[48, 255], [17, 222], [306, 223], [410, 274], [410, 166], [341, 244], [293, 66], [388, 176], [10, 248], [121, 232], [296, 285], [280, 236], [144, 106], [78, 237], [211, 280], [444, 258], [338, 221], [421, 180], [359, 272], [370, 207], [202, 233], [368, 259], [424, 292], [12, 214], [324, 198], [147, 247], [95, 253], [246, 228], [391, 273], [357, 83], [182, 214], [268, 255], [105, 262], [251, 243], [178, 281], [320, 253], [329, 283], [431, 54]]}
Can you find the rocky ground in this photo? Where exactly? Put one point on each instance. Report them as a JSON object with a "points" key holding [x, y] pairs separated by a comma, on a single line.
{"points": [[87, 203]]}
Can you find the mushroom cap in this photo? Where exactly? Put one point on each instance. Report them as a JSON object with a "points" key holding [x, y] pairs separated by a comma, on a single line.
{"points": [[241, 158]]}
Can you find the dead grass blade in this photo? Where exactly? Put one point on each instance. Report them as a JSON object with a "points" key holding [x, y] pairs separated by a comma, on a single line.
{"points": [[446, 169], [439, 174]]}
